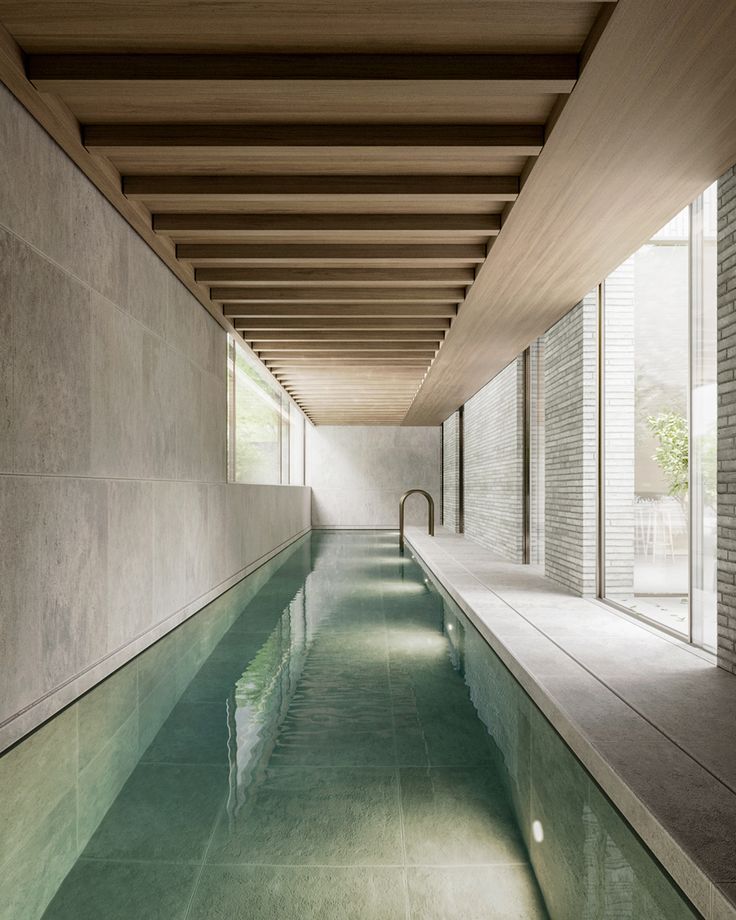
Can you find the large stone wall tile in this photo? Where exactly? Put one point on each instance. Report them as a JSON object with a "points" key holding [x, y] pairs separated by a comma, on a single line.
{"points": [[21, 678], [102, 712], [358, 473], [60, 572], [52, 374], [8, 255], [129, 561], [159, 421], [188, 324], [97, 243], [120, 442], [225, 531], [147, 285], [29, 788], [213, 428], [33, 180], [30, 878], [216, 362], [186, 406], [181, 562]]}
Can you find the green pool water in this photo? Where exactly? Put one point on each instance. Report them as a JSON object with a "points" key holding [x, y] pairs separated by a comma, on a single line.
{"points": [[343, 744]]}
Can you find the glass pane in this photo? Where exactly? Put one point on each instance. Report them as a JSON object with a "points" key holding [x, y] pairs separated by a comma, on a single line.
{"points": [[704, 408], [296, 447], [646, 429], [256, 424]]}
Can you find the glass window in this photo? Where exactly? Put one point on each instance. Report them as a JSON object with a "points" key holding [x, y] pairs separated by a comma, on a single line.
{"points": [[297, 423], [659, 406], [260, 421]]}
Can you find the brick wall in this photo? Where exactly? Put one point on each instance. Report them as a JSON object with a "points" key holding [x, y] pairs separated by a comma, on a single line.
{"points": [[619, 427], [536, 452], [493, 440], [451, 472], [727, 420], [570, 383]]}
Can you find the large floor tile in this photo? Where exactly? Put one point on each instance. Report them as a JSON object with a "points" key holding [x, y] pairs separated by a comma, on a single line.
{"points": [[267, 893], [123, 890], [476, 893], [317, 816], [337, 746], [162, 813], [458, 816], [194, 733]]}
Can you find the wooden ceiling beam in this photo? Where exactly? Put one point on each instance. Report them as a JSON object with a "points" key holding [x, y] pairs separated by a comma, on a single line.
{"points": [[244, 188], [347, 335], [283, 362], [345, 348], [339, 310], [345, 324], [444, 224], [506, 74], [319, 276], [451, 295], [321, 253], [491, 140]]}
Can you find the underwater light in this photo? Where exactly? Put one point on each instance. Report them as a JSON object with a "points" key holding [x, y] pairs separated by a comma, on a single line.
{"points": [[449, 626], [537, 831]]}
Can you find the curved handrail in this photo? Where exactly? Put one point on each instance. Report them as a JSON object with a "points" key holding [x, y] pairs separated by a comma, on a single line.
{"points": [[430, 513]]}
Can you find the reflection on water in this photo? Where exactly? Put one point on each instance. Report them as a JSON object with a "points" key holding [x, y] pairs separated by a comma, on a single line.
{"points": [[350, 747]]}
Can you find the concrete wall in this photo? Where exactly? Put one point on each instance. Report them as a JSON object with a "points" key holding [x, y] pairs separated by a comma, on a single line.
{"points": [[571, 465], [451, 460], [727, 420], [358, 473], [50, 814], [493, 464], [115, 519]]}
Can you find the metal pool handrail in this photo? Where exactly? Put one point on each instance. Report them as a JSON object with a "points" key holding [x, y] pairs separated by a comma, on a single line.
{"points": [[430, 514]]}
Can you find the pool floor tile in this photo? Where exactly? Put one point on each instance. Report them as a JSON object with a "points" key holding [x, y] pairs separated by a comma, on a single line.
{"points": [[164, 812], [338, 746], [458, 816], [277, 893], [97, 889], [475, 893], [194, 733], [314, 816]]}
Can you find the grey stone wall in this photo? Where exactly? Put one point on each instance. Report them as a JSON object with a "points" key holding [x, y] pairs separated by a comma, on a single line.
{"points": [[451, 472], [358, 473], [493, 442], [570, 379], [116, 522], [727, 420]]}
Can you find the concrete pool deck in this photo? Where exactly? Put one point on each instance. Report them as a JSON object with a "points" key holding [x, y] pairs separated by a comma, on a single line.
{"points": [[651, 718]]}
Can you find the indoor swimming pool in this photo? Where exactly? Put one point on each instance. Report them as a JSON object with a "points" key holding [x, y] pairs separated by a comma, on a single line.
{"points": [[331, 738]]}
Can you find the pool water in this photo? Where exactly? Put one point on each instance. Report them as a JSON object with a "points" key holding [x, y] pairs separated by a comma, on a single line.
{"points": [[351, 748]]}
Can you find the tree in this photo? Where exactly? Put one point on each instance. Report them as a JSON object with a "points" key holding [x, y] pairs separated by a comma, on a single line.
{"points": [[671, 455]]}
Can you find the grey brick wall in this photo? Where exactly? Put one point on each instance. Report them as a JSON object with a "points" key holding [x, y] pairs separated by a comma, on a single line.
{"points": [[536, 452], [570, 378], [727, 420], [493, 439], [619, 428], [451, 472]]}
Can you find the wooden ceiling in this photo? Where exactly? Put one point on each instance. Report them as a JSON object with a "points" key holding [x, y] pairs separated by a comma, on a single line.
{"points": [[328, 176]]}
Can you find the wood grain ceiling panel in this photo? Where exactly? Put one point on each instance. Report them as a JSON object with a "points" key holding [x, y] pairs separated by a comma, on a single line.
{"points": [[331, 189], [441, 26]]}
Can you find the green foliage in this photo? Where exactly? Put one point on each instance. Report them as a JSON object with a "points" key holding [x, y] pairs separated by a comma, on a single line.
{"points": [[671, 455]]}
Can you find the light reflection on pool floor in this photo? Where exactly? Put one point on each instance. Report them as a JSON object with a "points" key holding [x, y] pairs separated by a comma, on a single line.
{"points": [[326, 761]]}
